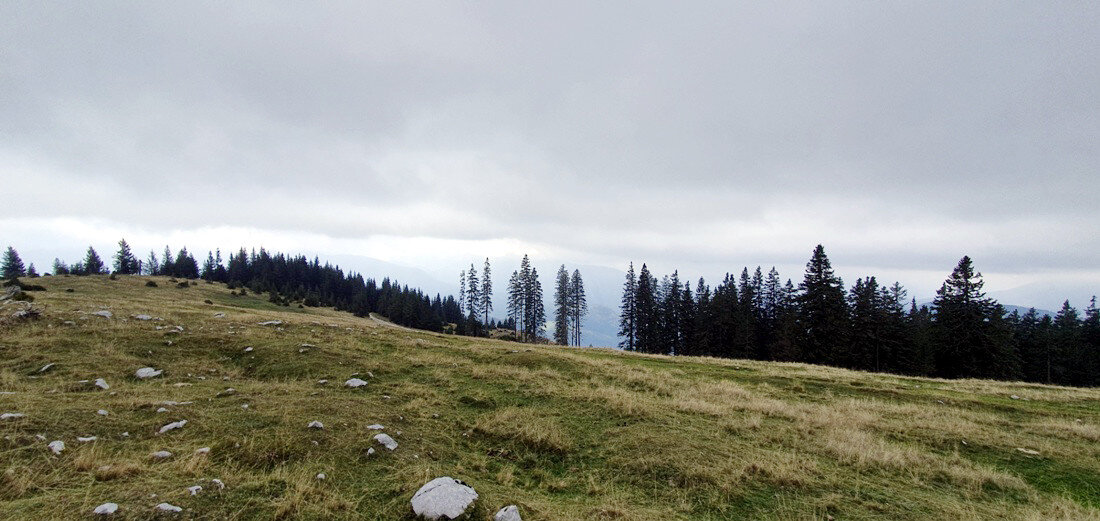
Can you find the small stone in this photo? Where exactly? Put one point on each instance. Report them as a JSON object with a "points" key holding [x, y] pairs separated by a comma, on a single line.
{"points": [[375, 427], [321, 476], [219, 483], [106, 509], [11, 415], [1028, 451], [103, 313], [142, 317], [147, 372], [162, 454], [172, 426], [386, 440], [194, 490], [56, 446], [355, 383], [162, 409], [443, 498], [229, 391], [308, 346], [86, 439], [102, 384], [248, 349], [47, 367], [244, 406], [219, 315], [202, 450], [322, 382], [271, 323], [102, 412], [165, 507], [508, 513], [1014, 397], [125, 435], [315, 425]]}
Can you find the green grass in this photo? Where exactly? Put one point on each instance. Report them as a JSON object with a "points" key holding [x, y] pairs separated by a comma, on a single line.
{"points": [[565, 433]]}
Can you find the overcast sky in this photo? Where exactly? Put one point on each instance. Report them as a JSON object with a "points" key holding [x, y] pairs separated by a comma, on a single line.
{"points": [[691, 135]]}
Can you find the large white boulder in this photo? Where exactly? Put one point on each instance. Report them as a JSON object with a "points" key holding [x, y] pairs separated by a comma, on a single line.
{"points": [[355, 382], [106, 509], [443, 498]]}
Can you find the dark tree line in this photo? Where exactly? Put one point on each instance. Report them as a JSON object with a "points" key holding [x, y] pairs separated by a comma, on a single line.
{"points": [[869, 326], [288, 279]]}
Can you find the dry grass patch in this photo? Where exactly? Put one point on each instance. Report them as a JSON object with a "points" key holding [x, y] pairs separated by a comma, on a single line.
{"points": [[526, 427]]}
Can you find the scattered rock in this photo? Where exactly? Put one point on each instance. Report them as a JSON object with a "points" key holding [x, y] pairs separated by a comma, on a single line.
{"points": [[143, 317], [248, 349], [315, 425], [354, 383], [102, 384], [218, 482], [508, 513], [147, 372], [443, 499], [171, 403], [386, 440], [161, 454], [202, 450], [103, 313], [370, 451], [106, 509], [321, 476], [162, 409], [1029, 452], [47, 367], [11, 415], [68, 323], [1014, 397], [102, 412], [271, 323], [56, 446], [87, 439], [219, 315], [322, 382], [229, 391], [375, 427], [165, 507], [194, 490], [172, 426]]}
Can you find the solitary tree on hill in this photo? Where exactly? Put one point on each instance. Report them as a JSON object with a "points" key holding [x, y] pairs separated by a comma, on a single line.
{"points": [[12, 266]]}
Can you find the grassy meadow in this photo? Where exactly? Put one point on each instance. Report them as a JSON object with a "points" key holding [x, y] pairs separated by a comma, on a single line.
{"points": [[565, 433]]}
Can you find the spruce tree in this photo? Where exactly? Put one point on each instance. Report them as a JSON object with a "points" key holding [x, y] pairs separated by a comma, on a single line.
{"points": [[462, 293], [578, 305], [93, 265], [125, 263], [12, 266], [473, 295], [31, 272], [823, 313], [645, 309], [167, 267], [59, 267], [562, 312], [1070, 361], [486, 292], [970, 334], [152, 266], [628, 316], [537, 309], [515, 302]]}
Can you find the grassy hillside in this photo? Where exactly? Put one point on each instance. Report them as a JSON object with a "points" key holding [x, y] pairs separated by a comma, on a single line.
{"points": [[564, 433]]}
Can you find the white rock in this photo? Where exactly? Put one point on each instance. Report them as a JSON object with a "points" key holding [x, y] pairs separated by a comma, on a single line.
{"points": [[106, 509], [443, 498], [1028, 451], [508, 513], [147, 372], [87, 439], [172, 426], [322, 382], [102, 384], [355, 382], [171, 403], [202, 450], [162, 454], [219, 315], [142, 317], [1014, 397], [271, 323], [315, 425], [103, 313], [56, 446], [229, 391], [321, 476], [386, 440], [244, 406], [162, 409], [47, 367], [370, 451], [102, 412], [165, 507], [308, 346], [375, 427], [248, 349], [125, 435], [194, 490], [11, 415], [219, 483]]}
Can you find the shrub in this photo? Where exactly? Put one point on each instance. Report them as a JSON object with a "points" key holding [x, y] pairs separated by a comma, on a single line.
{"points": [[151, 283], [113, 277], [207, 301], [183, 285]]}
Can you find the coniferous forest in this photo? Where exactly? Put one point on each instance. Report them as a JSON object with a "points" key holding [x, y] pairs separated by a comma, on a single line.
{"points": [[869, 326]]}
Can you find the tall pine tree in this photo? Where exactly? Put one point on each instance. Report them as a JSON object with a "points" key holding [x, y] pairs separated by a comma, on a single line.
{"points": [[823, 313], [628, 315]]}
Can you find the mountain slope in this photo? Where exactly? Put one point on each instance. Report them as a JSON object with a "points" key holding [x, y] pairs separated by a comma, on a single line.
{"points": [[564, 433]]}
